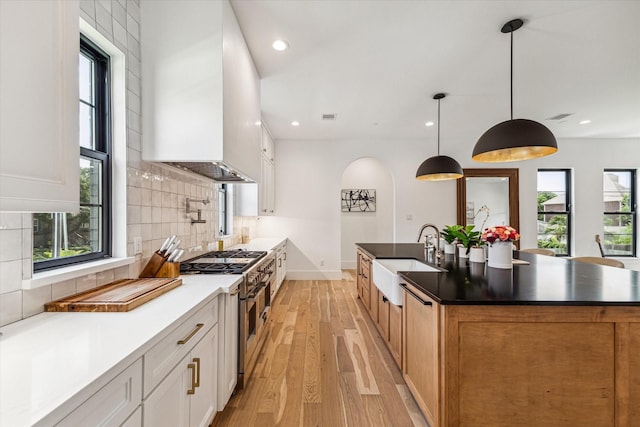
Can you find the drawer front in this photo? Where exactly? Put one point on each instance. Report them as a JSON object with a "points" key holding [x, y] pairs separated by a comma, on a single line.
{"points": [[113, 403], [162, 358]]}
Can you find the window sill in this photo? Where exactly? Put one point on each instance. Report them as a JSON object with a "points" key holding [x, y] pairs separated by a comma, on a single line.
{"points": [[74, 271]]}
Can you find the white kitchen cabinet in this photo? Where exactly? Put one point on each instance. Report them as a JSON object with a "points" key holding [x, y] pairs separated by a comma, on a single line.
{"points": [[258, 199], [112, 404], [39, 151], [228, 360], [187, 396], [281, 264], [164, 356], [266, 144], [134, 420], [200, 86]]}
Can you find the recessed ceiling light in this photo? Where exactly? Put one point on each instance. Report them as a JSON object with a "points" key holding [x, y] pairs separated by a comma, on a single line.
{"points": [[295, 123], [584, 122], [429, 124], [280, 45]]}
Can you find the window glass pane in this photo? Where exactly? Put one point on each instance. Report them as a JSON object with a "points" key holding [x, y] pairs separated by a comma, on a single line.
{"points": [[86, 79], [617, 191], [618, 234], [90, 181], [62, 235], [87, 126], [553, 215]]}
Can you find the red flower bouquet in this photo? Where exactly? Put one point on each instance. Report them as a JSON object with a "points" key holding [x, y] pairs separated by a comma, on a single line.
{"points": [[500, 233]]}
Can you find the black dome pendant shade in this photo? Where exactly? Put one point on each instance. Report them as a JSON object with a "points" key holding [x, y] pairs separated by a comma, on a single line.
{"points": [[515, 139], [439, 168]]}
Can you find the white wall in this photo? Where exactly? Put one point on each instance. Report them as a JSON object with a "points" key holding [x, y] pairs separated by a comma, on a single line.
{"points": [[308, 180], [372, 227]]}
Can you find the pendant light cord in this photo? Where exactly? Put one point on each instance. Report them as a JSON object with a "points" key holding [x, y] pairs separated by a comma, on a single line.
{"points": [[511, 73], [438, 127]]}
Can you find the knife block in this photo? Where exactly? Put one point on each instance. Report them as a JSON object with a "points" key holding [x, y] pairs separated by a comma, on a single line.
{"points": [[169, 270], [154, 265]]}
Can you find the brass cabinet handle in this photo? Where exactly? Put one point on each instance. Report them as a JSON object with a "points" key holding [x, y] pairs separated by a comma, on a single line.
{"points": [[197, 362], [192, 390], [188, 337]]}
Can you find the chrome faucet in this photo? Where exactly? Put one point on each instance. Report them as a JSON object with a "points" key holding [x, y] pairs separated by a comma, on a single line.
{"points": [[438, 252]]}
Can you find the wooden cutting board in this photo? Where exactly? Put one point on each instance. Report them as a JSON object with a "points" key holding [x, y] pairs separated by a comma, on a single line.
{"points": [[119, 296]]}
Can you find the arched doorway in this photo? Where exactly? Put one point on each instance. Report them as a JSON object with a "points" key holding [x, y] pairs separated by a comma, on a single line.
{"points": [[367, 173]]}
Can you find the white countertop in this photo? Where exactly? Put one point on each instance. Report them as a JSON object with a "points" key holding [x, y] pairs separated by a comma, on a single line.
{"points": [[52, 362]]}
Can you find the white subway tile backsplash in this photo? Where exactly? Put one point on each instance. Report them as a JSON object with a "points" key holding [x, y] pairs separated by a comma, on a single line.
{"points": [[106, 4], [133, 45], [119, 35], [133, 196], [121, 273], [10, 276], [10, 307], [10, 245], [133, 27], [27, 243], [10, 221], [119, 14], [104, 20], [89, 9], [104, 277], [133, 214], [63, 289], [145, 213], [156, 198], [33, 300], [27, 268], [133, 83], [87, 282]]}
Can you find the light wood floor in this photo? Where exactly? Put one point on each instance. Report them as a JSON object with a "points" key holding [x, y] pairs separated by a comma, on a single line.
{"points": [[324, 364]]}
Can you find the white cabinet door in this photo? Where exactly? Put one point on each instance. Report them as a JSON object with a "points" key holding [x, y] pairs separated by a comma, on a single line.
{"points": [[204, 400], [39, 151], [266, 188], [188, 395], [229, 350], [113, 403], [168, 405]]}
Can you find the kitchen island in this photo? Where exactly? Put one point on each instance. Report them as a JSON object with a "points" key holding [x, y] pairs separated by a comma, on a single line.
{"points": [[551, 342]]}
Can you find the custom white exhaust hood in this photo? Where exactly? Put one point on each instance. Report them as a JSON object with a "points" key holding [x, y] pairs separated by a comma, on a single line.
{"points": [[200, 90]]}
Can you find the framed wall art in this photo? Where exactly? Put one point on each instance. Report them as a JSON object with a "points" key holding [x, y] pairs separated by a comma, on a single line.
{"points": [[358, 200]]}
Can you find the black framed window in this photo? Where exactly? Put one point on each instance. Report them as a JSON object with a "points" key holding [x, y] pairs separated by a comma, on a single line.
{"points": [[554, 210], [223, 195], [61, 239], [619, 221]]}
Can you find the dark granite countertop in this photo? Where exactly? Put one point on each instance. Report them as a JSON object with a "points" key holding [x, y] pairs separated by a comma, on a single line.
{"points": [[394, 250], [544, 281]]}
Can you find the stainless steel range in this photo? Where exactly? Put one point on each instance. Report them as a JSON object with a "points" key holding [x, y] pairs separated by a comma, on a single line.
{"points": [[258, 269]]}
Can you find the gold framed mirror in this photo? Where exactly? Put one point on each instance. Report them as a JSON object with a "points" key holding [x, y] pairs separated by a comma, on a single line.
{"points": [[488, 197]]}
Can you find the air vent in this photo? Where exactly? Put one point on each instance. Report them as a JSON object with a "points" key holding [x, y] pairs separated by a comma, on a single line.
{"points": [[329, 116], [560, 116]]}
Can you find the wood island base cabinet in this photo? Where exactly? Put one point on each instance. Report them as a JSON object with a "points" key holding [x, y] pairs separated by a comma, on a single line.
{"points": [[386, 316], [492, 365]]}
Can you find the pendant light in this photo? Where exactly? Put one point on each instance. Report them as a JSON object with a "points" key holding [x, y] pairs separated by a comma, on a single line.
{"points": [[515, 139], [439, 168]]}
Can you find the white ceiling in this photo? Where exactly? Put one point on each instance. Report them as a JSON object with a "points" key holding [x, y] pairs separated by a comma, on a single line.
{"points": [[376, 64]]}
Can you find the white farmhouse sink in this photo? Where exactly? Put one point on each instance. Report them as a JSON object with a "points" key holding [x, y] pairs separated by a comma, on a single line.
{"points": [[386, 278]]}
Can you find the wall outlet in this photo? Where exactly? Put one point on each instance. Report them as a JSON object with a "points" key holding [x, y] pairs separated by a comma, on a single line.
{"points": [[137, 245], [321, 263], [409, 217]]}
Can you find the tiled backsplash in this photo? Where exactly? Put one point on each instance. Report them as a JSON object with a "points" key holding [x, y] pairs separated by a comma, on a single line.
{"points": [[156, 193]]}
